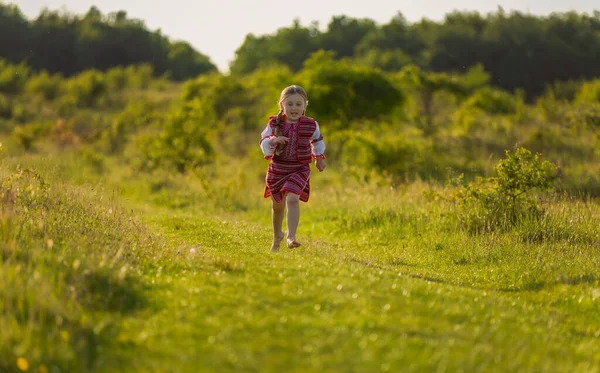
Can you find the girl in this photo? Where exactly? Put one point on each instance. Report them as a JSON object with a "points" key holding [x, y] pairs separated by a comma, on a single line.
{"points": [[291, 141]]}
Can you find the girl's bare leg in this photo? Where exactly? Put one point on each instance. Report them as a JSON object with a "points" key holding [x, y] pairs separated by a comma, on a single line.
{"points": [[277, 213], [293, 218]]}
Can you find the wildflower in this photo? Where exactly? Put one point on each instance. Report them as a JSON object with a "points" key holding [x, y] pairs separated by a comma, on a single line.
{"points": [[22, 364]]}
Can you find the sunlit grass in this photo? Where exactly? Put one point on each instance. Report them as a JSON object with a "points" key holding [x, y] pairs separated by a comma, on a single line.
{"points": [[125, 271]]}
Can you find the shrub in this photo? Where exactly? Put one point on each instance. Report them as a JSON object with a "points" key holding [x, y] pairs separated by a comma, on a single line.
{"points": [[13, 77], [502, 201], [44, 85], [346, 91], [62, 133], [584, 116], [139, 76], [87, 88], [136, 115], [589, 92], [182, 143], [563, 90], [116, 79], [493, 101], [5, 107], [26, 135]]}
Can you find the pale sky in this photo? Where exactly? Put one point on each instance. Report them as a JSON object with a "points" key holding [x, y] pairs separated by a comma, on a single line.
{"points": [[217, 28]]}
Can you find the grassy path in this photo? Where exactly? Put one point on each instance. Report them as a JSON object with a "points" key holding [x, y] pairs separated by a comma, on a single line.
{"points": [[382, 283], [235, 307]]}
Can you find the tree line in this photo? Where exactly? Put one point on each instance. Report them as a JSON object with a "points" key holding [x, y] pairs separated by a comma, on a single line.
{"points": [[59, 42], [518, 50]]}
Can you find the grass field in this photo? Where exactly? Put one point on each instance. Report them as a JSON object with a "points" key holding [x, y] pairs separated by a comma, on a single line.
{"points": [[117, 271]]}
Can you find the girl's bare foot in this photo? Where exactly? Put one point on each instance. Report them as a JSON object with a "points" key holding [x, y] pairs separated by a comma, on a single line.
{"points": [[277, 242], [292, 243]]}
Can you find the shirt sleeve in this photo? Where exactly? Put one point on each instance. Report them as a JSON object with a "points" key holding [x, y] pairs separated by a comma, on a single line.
{"points": [[266, 148], [317, 143]]}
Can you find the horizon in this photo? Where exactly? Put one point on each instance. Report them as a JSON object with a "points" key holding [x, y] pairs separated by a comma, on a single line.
{"points": [[249, 20]]}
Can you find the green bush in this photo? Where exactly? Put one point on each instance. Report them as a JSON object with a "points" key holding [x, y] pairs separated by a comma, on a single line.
{"points": [[390, 154], [136, 115], [563, 90], [493, 101], [502, 201], [13, 77], [346, 91], [585, 115], [26, 135], [87, 88], [589, 92], [6, 107], [44, 85], [116, 79], [223, 93], [20, 113], [182, 142], [139, 76]]}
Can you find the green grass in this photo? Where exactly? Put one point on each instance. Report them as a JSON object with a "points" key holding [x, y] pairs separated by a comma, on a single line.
{"points": [[385, 280]]}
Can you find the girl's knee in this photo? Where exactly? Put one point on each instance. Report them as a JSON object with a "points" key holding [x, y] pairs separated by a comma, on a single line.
{"points": [[277, 206], [292, 199]]}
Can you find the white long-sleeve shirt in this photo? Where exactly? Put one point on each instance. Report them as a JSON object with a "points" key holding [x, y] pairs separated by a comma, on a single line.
{"points": [[317, 144]]}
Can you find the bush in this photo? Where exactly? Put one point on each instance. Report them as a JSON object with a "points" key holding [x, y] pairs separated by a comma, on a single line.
{"points": [[62, 133], [345, 91], [585, 115], [589, 92], [493, 101], [44, 85], [116, 79], [136, 115], [224, 93], [13, 77], [87, 88], [563, 90], [26, 135], [139, 76], [6, 107], [182, 143], [502, 201]]}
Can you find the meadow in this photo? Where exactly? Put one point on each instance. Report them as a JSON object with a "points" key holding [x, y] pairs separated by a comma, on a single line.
{"points": [[456, 229]]}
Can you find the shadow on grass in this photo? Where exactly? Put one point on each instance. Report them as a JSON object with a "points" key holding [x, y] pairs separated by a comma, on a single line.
{"points": [[109, 293], [587, 279]]}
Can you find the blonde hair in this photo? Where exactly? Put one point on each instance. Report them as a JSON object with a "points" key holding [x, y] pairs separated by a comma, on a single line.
{"points": [[288, 91]]}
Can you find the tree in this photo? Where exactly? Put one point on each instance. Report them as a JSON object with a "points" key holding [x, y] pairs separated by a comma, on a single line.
{"points": [[13, 33], [59, 42], [289, 46], [396, 35], [344, 33]]}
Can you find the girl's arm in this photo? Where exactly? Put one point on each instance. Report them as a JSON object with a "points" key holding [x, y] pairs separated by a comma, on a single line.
{"points": [[317, 144], [267, 149]]}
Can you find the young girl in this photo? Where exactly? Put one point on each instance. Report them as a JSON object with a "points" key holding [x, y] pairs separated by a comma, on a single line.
{"points": [[290, 141]]}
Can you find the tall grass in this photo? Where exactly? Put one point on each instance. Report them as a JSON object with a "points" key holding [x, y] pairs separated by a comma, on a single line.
{"points": [[70, 273]]}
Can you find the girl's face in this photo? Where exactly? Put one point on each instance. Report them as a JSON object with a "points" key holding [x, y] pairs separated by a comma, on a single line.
{"points": [[293, 106]]}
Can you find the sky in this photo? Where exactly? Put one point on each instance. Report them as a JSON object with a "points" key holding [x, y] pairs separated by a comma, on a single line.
{"points": [[217, 28]]}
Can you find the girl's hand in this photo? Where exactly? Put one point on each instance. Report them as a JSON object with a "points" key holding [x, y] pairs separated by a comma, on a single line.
{"points": [[276, 140], [321, 164]]}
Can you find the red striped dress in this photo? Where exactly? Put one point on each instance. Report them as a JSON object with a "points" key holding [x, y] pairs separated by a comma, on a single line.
{"points": [[286, 173]]}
